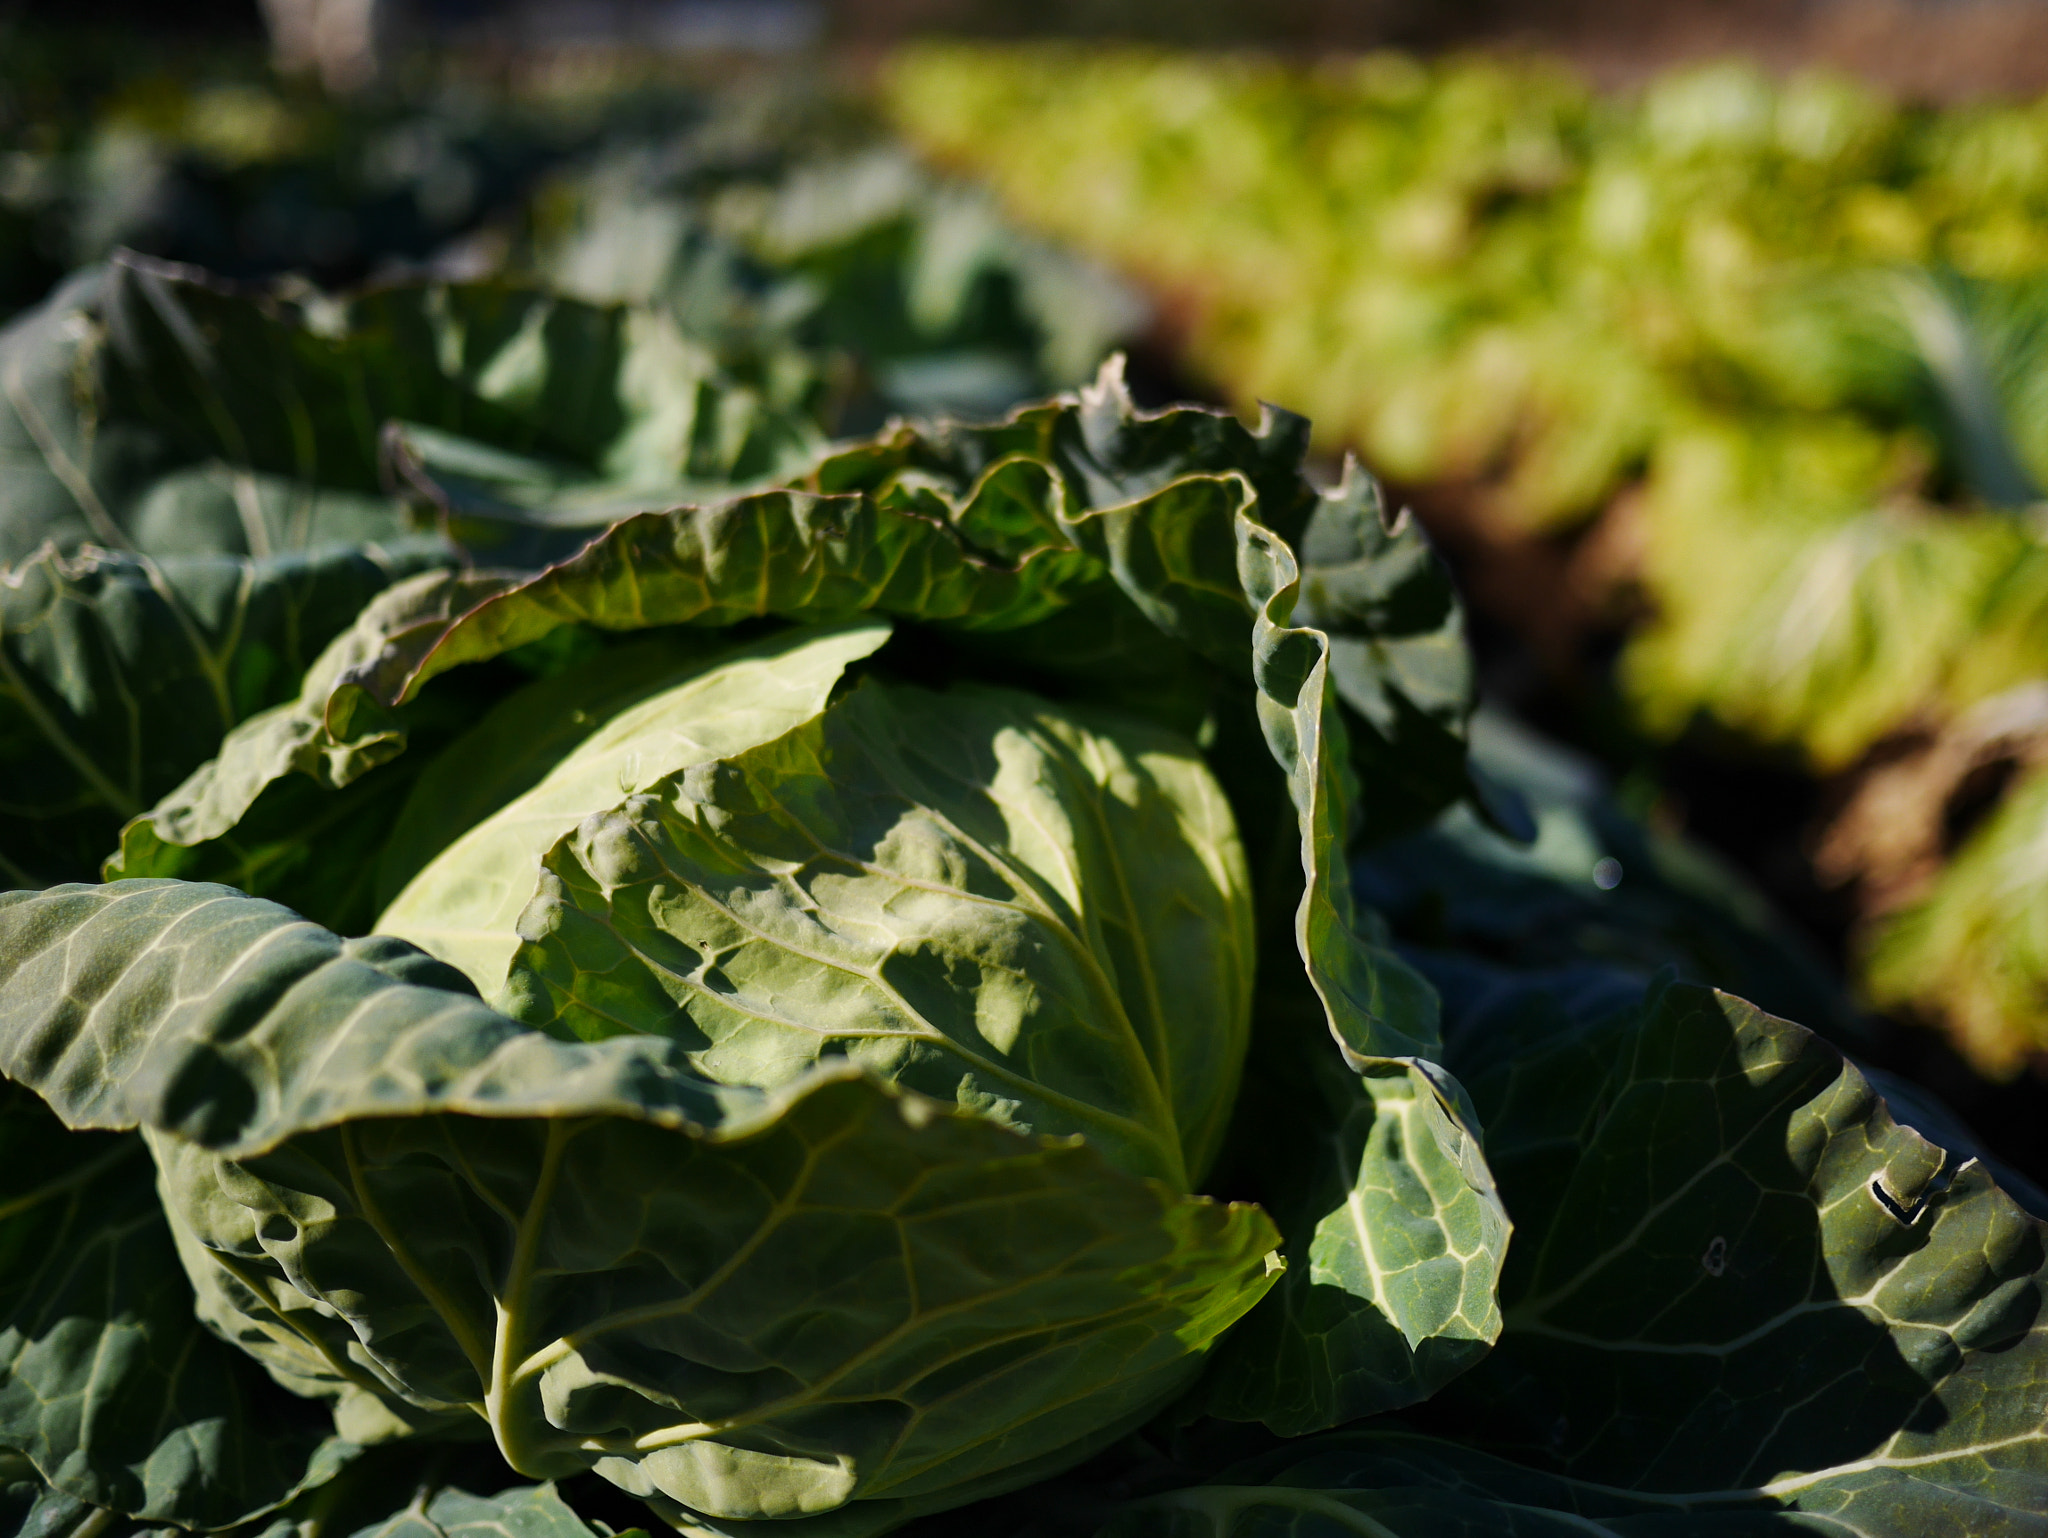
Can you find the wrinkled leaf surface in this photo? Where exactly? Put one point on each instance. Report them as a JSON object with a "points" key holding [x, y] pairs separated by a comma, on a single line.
{"points": [[396, 1196]]}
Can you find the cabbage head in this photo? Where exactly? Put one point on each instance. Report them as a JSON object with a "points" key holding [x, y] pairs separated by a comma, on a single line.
{"points": [[770, 875], [1038, 914], [750, 1010]]}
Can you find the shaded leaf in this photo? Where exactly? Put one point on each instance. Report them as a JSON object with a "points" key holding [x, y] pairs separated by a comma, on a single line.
{"points": [[298, 390], [1721, 1218], [33, 1510], [106, 434], [1592, 884], [420, 1192], [1398, 656], [109, 1385], [57, 474], [1394, 1484], [120, 673], [150, 406]]}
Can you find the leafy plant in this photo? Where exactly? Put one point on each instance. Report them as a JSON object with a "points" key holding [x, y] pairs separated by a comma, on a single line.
{"points": [[1050, 901], [836, 998]]}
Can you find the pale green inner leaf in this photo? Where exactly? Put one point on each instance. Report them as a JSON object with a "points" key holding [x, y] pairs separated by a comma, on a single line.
{"points": [[464, 907], [1042, 917]]}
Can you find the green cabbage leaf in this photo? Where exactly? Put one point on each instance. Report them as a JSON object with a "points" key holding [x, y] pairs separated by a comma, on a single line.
{"points": [[966, 805], [1717, 1218], [111, 1388], [393, 1196]]}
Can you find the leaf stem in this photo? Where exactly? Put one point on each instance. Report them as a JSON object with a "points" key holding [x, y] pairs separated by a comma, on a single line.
{"points": [[505, 1374]]}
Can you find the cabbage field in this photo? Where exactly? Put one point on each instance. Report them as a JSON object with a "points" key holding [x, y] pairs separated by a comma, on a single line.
{"points": [[683, 858]]}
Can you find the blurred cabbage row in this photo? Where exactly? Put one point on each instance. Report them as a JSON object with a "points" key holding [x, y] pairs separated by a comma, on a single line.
{"points": [[1784, 342], [767, 214]]}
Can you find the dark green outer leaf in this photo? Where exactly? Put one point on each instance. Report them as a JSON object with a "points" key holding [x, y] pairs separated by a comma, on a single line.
{"points": [[1392, 1197], [1743, 1303], [120, 673], [905, 543], [117, 1394], [1398, 656], [84, 461], [149, 406], [220, 509], [49, 489], [763, 1331], [127, 441], [1721, 1219], [1460, 884], [258, 381], [267, 814]]}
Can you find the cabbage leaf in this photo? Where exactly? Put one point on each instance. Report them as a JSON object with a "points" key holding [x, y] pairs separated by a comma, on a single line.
{"points": [[392, 1195], [1044, 915]]}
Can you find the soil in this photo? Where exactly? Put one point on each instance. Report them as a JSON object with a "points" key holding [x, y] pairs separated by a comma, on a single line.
{"points": [[1938, 50]]}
